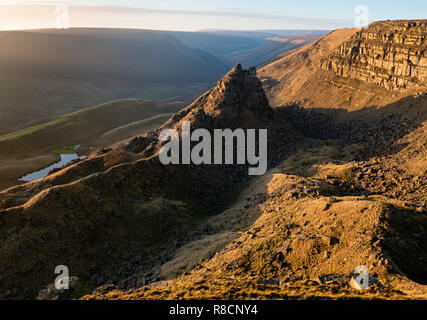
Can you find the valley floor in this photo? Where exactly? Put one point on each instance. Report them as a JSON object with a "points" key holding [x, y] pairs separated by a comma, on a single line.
{"points": [[316, 214]]}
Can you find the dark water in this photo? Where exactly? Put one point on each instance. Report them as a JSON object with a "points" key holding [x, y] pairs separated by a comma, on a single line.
{"points": [[65, 158]]}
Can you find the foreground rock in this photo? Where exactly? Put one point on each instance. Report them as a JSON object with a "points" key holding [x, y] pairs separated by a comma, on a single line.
{"points": [[118, 206], [283, 249]]}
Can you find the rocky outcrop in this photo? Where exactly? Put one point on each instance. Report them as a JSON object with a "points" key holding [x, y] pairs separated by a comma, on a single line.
{"points": [[134, 211], [238, 99], [391, 54]]}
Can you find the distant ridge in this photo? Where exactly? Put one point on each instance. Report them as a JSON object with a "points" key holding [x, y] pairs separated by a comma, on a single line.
{"points": [[45, 73]]}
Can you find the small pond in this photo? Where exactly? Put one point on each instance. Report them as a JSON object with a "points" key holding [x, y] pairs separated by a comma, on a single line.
{"points": [[65, 158]]}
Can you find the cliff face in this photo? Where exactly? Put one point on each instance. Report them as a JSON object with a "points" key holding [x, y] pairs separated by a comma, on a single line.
{"points": [[391, 54]]}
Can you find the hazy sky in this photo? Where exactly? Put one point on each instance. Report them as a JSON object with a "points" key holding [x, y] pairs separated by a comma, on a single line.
{"points": [[202, 14]]}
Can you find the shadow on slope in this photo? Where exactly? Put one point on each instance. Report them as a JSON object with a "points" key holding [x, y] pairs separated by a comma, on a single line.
{"points": [[376, 129], [284, 231], [101, 208]]}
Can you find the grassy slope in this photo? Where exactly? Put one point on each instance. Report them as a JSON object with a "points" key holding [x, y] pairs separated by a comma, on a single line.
{"points": [[99, 65], [134, 128], [29, 149], [295, 77], [270, 49], [28, 100], [45, 73], [277, 247]]}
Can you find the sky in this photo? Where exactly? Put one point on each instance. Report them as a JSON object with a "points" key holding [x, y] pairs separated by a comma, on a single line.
{"points": [[191, 15]]}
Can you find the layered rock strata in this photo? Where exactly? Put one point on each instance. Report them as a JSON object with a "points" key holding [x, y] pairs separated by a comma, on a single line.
{"points": [[391, 54]]}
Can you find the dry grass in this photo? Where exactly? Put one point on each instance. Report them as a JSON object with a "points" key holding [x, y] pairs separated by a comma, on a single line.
{"points": [[295, 77], [31, 149], [290, 212]]}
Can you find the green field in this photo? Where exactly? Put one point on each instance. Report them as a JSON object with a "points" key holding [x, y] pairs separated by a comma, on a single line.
{"points": [[64, 150], [38, 146]]}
